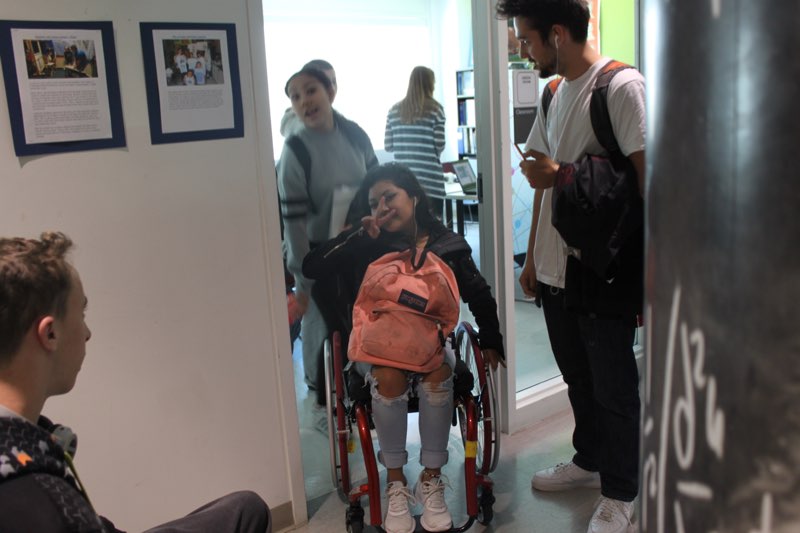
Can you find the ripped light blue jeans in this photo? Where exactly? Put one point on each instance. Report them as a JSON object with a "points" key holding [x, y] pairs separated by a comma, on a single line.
{"points": [[435, 415]]}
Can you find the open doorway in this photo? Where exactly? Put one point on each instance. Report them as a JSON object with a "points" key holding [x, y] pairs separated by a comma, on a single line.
{"points": [[373, 45]]}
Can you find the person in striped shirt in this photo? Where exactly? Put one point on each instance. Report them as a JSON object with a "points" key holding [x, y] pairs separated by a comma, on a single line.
{"points": [[415, 133]]}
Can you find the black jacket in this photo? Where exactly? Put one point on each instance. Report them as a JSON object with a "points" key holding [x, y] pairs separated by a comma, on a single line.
{"points": [[339, 266], [598, 210], [37, 492]]}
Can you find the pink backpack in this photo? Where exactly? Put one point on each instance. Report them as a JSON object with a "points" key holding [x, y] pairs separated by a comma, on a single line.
{"points": [[403, 314]]}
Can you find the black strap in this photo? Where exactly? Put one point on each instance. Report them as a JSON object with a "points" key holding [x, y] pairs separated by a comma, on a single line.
{"points": [[423, 254], [598, 110], [547, 95], [304, 158]]}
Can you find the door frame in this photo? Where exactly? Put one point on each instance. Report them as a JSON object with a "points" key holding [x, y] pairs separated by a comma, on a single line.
{"points": [[517, 410]]}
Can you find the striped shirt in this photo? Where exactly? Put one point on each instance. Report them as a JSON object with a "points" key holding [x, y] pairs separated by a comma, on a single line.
{"points": [[418, 146]]}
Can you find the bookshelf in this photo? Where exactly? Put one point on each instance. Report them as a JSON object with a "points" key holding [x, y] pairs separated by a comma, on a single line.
{"points": [[465, 87]]}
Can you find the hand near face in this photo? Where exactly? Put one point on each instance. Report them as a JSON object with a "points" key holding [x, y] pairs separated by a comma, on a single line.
{"points": [[541, 171], [373, 223]]}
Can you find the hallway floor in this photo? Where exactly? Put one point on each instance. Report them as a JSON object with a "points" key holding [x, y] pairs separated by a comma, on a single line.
{"points": [[518, 508]]}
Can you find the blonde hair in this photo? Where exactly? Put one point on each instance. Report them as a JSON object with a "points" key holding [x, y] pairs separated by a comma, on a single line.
{"points": [[419, 97]]}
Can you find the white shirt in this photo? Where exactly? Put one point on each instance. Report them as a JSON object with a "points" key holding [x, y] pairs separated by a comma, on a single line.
{"points": [[567, 135]]}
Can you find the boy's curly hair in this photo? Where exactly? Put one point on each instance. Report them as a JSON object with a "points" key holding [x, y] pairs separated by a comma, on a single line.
{"points": [[35, 280]]}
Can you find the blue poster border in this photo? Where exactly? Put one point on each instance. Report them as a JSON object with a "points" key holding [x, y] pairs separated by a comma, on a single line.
{"points": [[21, 147], [157, 135]]}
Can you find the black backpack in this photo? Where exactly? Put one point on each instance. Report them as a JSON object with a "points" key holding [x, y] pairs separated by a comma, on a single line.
{"points": [[598, 109], [597, 208]]}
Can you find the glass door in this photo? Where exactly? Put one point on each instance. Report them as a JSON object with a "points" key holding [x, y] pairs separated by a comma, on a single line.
{"points": [[531, 387]]}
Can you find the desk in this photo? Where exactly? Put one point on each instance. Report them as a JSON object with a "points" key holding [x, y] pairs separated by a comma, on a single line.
{"points": [[458, 197]]}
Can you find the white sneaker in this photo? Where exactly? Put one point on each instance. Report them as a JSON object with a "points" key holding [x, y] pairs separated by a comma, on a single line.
{"points": [[398, 516], [435, 516], [612, 516], [565, 476]]}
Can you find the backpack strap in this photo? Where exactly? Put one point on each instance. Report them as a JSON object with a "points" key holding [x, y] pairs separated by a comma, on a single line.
{"points": [[416, 265], [548, 93], [358, 138], [598, 110], [447, 242], [304, 158]]}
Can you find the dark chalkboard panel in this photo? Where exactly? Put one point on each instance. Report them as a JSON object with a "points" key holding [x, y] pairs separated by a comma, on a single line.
{"points": [[722, 381]]}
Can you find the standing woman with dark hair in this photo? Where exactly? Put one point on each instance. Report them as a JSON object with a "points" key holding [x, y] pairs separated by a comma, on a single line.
{"points": [[320, 168], [415, 133]]}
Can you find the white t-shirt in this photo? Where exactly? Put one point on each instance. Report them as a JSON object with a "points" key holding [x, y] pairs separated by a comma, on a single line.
{"points": [[567, 135]]}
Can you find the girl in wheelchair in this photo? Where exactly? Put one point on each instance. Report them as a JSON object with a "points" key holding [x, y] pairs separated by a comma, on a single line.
{"points": [[400, 219]]}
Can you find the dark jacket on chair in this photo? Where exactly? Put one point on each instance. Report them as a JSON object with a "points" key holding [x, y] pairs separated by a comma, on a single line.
{"points": [[599, 212]]}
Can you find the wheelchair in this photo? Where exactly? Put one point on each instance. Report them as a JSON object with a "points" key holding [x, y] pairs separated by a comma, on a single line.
{"points": [[475, 412]]}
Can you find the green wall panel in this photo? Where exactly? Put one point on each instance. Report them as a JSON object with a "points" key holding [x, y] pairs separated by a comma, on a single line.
{"points": [[618, 30]]}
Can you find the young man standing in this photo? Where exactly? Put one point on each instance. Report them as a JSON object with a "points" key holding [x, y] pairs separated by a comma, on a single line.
{"points": [[43, 335], [594, 352]]}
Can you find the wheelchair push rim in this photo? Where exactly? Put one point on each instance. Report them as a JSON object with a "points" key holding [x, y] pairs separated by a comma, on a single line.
{"points": [[484, 392]]}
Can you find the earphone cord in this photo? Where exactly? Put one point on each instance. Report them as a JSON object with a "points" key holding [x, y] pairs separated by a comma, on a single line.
{"points": [[555, 155], [74, 472], [414, 216], [558, 115]]}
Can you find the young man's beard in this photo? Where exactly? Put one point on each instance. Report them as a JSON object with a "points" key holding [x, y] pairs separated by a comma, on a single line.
{"points": [[548, 68], [545, 72]]}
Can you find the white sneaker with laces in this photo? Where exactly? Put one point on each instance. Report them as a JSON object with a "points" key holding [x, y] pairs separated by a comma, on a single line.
{"points": [[398, 516], [612, 516], [565, 476], [435, 516]]}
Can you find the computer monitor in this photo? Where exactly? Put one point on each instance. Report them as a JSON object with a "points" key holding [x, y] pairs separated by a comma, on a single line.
{"points": [[466, 176]]}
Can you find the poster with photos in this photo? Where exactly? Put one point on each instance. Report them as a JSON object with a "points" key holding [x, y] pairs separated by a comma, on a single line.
{"points": [[192, 81], [62, 86]]}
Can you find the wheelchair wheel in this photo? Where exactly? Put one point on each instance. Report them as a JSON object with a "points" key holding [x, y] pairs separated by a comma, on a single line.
{"points": [[338, 425], [354, 518], [469, 351], [486, 504]]}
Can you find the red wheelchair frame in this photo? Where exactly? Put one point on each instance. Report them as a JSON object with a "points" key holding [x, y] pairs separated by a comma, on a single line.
{"points": [[475, 412]]}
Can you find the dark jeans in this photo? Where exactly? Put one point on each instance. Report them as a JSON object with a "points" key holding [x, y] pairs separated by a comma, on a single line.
{"points": [[595, 356], [238, 512]]}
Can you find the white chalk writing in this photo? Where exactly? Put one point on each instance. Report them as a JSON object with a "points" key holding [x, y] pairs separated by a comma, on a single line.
{"points": [[679, 437]]}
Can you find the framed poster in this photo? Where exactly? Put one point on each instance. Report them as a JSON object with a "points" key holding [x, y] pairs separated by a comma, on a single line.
{"points": [[191, 73], [62, 86]]}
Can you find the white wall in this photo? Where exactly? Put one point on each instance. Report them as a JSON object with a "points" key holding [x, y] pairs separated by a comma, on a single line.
{"points": [[186, 391], [374, 45]]}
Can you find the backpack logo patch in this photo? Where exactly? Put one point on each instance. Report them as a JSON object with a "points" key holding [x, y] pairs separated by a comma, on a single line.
{"points": [[413, 301]]}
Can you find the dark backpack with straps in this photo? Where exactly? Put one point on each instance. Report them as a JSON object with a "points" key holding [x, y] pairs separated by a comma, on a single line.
{"points": [[598, 109]]}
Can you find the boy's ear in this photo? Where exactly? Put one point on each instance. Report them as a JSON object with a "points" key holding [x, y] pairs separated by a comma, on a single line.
{"points": [[46, 333]]}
